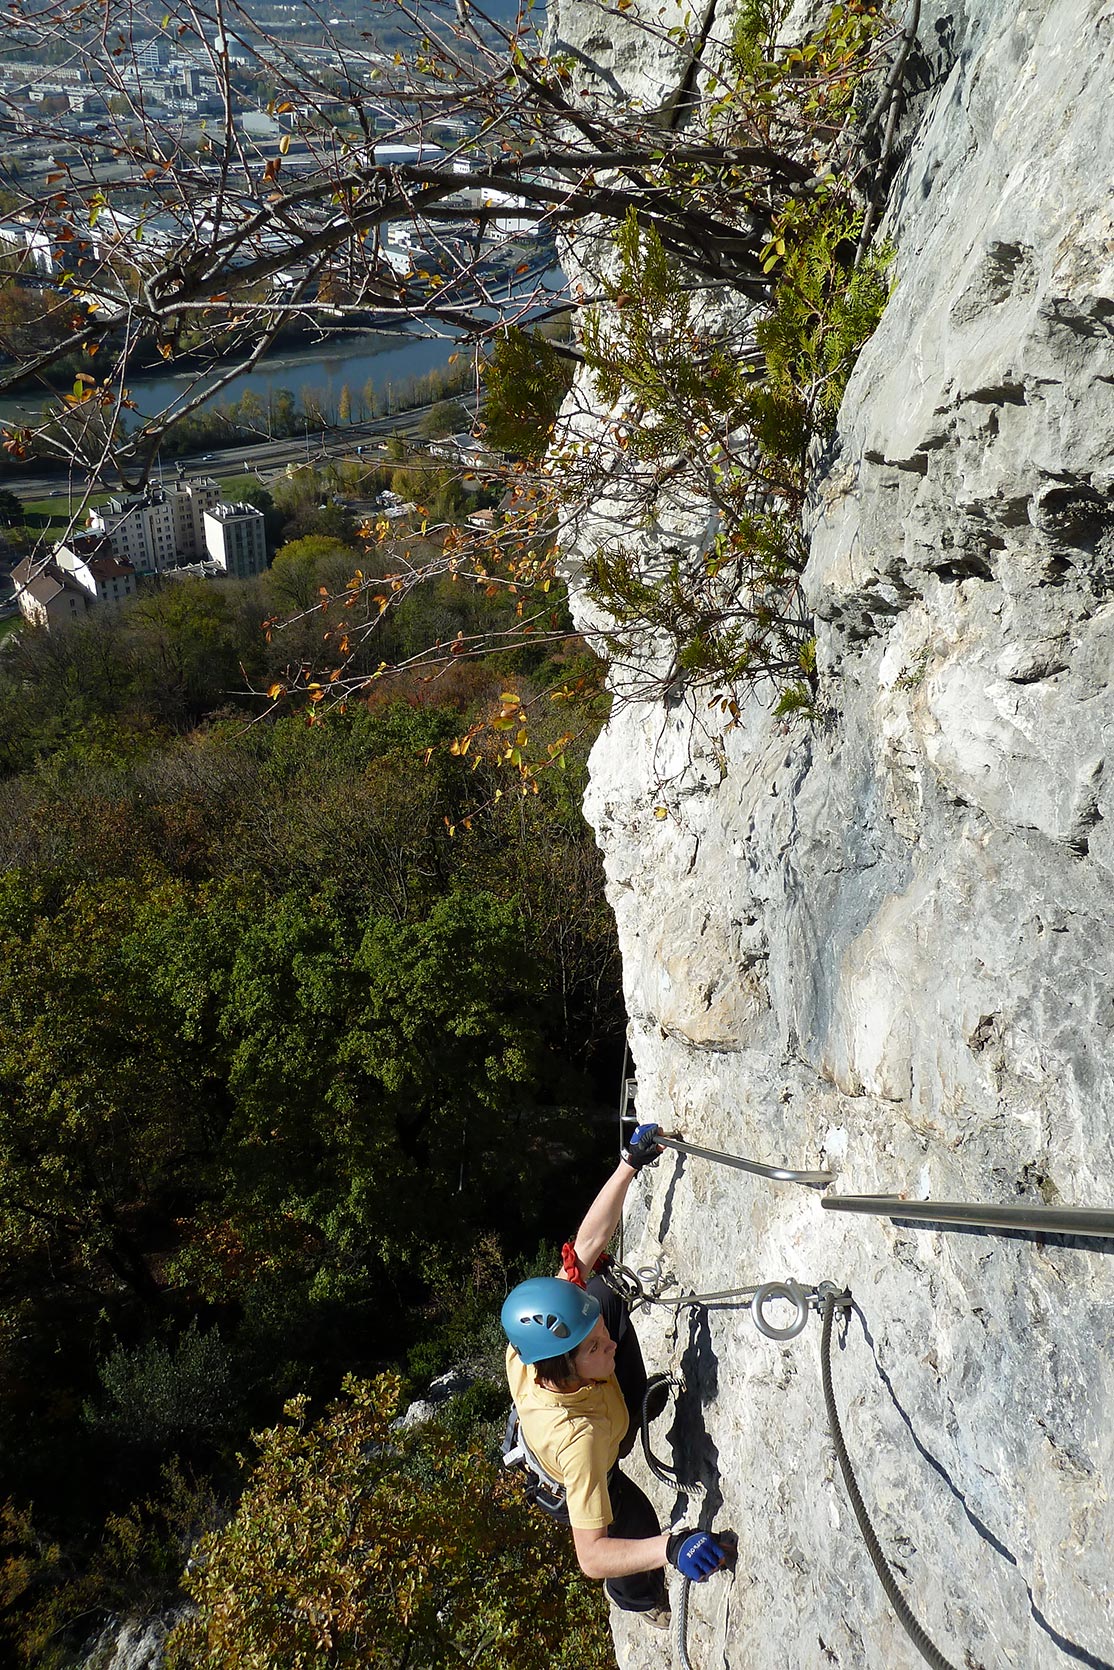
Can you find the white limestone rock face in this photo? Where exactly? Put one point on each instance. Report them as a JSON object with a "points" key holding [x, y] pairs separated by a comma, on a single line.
{"points": [[131, 1644], [624, 57], [885, 942]]}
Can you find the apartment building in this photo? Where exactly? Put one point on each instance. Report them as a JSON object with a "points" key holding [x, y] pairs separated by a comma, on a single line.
{"points": [[235, 539], [158, 529]]}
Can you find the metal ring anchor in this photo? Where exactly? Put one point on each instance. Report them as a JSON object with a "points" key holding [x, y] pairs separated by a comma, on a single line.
{"points": [[790, 1292]]}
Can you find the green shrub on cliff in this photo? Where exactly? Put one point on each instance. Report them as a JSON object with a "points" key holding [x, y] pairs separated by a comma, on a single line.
{"points": [[356, 1544], [725, 410]]}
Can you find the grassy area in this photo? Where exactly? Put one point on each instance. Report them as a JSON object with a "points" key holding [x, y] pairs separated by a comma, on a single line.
{"points": [[10, 624], [232, 486], [53, 515]]}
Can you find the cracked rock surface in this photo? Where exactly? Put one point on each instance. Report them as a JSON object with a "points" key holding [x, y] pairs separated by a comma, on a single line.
{"points": [[884, 942]]}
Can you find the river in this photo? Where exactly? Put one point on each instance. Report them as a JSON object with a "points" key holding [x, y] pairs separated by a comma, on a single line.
{"points": [[388, 363], [322, 369]]}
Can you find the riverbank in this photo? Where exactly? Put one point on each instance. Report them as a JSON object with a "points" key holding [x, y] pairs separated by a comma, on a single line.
{"points": [[294, 404], [261, 457], [190, 362]]}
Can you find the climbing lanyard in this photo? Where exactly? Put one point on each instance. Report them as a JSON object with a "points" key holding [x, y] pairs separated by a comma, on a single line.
{"points": [[650, 1285]]}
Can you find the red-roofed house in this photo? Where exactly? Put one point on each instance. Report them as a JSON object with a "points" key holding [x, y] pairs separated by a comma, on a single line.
{"points": [[71, 581], [88, 557], [46, 594]]}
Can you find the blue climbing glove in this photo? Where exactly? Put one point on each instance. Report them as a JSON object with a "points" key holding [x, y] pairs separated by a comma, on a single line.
{"points": [[642, 1147], [697, 1554]]}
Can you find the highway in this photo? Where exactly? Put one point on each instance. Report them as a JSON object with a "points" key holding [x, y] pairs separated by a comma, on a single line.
{"points": [[264, 457]]}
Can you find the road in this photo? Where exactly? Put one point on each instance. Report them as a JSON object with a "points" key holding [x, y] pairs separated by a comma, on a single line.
{"points": [[270, 457]]}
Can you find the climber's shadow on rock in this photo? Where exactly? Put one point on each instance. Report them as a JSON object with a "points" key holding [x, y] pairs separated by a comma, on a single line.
{"points": [[667, 1206], [695, 1456], [1047, 1240]]}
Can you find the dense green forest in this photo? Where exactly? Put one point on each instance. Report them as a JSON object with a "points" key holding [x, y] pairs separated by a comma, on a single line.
{"points": [[307, 1045]]}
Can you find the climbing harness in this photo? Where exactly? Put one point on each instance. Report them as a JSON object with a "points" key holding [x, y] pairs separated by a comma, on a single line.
{"points": [[548, 1493], [924, 1645], [542, 1488]]}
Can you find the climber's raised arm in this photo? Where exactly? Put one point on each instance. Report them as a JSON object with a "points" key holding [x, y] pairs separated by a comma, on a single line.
{"points": [[602, 1218]]}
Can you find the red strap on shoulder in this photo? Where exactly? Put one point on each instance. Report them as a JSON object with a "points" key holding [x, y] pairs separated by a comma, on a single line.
{"points": [[570, 1265]]}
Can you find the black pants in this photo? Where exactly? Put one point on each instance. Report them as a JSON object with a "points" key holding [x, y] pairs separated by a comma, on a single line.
{"points": [[633, 1515]]}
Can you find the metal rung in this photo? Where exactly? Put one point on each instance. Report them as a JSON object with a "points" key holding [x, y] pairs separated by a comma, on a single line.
{"points": [[775, 1174], [1022, 1214]]}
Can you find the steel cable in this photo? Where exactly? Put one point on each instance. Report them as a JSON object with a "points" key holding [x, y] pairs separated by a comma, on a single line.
{"points": [[924, 1645], [669, 1477], [681, 1630]]}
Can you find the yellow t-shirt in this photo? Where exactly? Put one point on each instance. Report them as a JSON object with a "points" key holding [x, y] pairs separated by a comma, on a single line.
{"points": [[575, 1436]]}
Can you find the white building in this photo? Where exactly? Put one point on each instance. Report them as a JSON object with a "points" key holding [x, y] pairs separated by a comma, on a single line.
{"points": [[235, 539], [388, 156], [47, 596], [18, 234], [505, 224], [139, 531], [463, 449], [189, 500], [160, 528], [153, 54], [89, 560]]}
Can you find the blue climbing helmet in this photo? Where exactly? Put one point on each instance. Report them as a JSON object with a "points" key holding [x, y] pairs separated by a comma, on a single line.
{"points": [[546, 1316]]}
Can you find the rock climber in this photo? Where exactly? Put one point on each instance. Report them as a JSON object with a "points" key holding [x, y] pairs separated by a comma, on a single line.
{"points": [[578, 1382]]}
